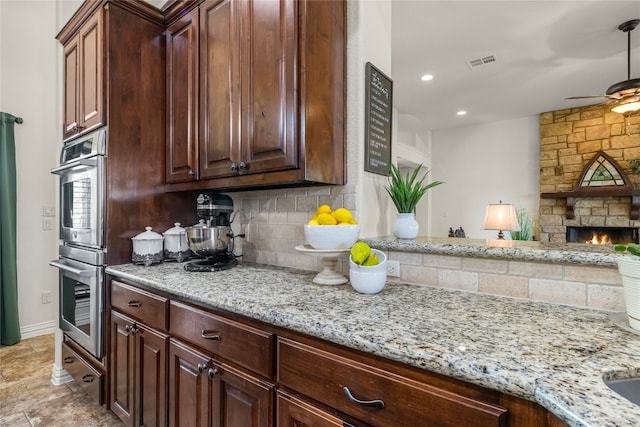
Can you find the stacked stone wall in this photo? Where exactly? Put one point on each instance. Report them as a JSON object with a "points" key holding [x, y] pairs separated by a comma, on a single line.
{"points": [[569, 139]]}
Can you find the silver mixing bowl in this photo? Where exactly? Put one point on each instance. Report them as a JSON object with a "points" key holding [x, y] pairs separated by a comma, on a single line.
{"points": [[210, 241]]}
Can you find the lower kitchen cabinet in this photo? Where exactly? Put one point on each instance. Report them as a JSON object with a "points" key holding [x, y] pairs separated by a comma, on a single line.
{"points": [[88, 376], [138, 372], [204, 392], [293, 411]]}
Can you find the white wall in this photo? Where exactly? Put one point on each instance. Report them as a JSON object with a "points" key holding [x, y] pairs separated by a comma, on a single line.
{"points": [[28, 84], [369, 29], [484, 164]]}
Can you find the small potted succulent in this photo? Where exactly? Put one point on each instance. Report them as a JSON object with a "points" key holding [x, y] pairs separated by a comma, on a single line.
{"points": [[629, 268], [406, 192]]}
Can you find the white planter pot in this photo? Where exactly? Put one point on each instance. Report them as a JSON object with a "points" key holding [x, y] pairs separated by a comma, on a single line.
{"points": [[629, 268], [405, 226]]}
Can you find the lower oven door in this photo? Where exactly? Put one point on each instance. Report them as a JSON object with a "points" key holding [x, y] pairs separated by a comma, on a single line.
{"points": [[81, 303]]}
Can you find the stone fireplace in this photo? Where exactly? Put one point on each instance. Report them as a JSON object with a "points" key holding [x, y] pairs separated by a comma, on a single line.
{"points": [[602, 235], [570, 140]]}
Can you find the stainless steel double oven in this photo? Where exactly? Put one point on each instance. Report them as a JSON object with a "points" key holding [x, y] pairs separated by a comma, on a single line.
{"points": [[82, 254]]}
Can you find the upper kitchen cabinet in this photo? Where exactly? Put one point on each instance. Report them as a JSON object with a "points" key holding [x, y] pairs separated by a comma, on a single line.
{"points": [[256, 95], [83, 106]]}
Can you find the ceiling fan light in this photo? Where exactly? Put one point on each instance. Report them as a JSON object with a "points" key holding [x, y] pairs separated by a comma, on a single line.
{"points": [[626, 107]]}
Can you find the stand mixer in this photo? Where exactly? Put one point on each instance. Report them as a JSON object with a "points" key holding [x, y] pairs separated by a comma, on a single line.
{"points": [[212, 238]]}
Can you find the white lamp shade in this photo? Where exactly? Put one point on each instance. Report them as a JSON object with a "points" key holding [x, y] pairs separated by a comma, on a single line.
{"points": [[501, 217]]}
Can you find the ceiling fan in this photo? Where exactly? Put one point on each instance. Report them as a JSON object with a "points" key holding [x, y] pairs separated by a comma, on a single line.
{"points": [[625, 94]]}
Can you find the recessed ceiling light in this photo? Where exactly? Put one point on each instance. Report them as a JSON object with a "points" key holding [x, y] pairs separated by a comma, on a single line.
{"points": [[426, 77], [461, 113]]}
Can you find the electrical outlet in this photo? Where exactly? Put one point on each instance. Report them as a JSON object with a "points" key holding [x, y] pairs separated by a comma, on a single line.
{"points": [[393, 268], [46, 297], [47, 223]]}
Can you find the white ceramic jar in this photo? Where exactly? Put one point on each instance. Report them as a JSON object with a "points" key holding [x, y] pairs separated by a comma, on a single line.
{"points": [[176, 245], [147, 248]]}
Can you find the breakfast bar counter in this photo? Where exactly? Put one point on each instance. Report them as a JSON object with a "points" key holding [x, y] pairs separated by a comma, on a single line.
{"points": [[552, 354]]}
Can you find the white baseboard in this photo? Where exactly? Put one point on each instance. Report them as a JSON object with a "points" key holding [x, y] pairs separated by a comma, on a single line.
{"points": [[59, 376], [38, 329]]}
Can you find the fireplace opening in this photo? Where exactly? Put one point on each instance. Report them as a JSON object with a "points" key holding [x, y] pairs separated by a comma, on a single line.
{"points": [[602, 235]]}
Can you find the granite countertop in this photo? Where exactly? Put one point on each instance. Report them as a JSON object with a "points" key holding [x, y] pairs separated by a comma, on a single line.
{"points": [[552, 354], [556, 253]]}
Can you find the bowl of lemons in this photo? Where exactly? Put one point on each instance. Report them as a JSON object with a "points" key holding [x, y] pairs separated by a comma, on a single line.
{"points": [[331, 229]]}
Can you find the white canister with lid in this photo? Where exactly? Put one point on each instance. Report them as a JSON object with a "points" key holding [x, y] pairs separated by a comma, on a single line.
{"points": [[176, 245], [147, 248]]}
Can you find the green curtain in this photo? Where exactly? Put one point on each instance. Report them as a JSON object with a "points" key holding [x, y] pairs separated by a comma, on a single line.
{"points": [[9, 322]]}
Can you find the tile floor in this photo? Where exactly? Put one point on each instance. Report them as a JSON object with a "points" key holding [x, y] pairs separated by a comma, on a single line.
{"points": [[28, 398]]}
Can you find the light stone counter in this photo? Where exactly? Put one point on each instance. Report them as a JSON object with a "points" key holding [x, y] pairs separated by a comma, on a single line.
{"points": [[555, 355], [555, 253]]}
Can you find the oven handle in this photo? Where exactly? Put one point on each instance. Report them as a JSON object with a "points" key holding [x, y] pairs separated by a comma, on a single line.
{"points": [[92, 161], [77, 271]]}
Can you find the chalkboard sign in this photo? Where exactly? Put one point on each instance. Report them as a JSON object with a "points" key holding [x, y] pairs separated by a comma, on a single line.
{"points": [[377, 132]]}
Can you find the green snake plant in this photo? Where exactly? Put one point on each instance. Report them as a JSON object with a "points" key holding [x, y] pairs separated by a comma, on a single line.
{"points": [[406, 192]]}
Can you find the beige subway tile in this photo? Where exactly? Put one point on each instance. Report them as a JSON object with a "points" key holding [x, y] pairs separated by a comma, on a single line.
{"points": [[297, 218], [597, 275], [307, 204], [486, 265], [441, 261], [458, 279], [277, 217], [409, 258], [606, 297], [533, 269], [558, 292], [417, 274], [265, 257], [285, 260], [286, 204], [500, 284]]}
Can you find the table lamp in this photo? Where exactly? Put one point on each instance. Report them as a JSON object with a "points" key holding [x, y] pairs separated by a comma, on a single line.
{"points": [[501, 217]]}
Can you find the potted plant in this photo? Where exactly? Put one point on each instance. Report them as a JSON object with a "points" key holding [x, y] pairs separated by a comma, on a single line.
{"points": [[406, 192], [629, 268]]}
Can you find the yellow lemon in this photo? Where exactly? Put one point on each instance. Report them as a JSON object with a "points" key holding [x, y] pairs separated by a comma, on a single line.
{"points": [[324, 209], [342, 215], [326, 219], [313, 222]]}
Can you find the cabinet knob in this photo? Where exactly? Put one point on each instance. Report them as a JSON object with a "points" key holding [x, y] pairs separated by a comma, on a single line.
{"points": [[133, 303], [242, 165], [201, 367], [68, 359], [87, 378], [191, 173], [212, 372], [233, 167], [369, 403], [210, 335]]}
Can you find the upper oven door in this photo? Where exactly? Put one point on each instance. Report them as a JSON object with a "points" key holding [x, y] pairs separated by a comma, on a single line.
{"points": [[82, 201]]}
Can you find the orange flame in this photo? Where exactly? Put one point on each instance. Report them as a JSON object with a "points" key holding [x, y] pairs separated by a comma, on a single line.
{"points": [[599, 240]]}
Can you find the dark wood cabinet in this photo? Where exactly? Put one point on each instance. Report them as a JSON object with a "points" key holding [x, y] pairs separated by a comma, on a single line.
{"points": [[204, 392], [271, 87], [295, 412], [83, 107], [138, 372], [84, 370]]}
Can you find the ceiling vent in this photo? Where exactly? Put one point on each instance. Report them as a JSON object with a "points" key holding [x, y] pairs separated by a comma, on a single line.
{"points": [[474, 64]]}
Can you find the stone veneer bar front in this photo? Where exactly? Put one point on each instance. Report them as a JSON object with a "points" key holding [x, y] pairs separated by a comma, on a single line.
{"points": [[563, 273]]}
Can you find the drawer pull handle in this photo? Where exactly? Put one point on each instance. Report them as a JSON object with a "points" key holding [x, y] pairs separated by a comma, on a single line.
{"points": [[212, 372], [88, 378], [369, 403], [210, 335], [68, 359], [134, 304], [201, 367]]}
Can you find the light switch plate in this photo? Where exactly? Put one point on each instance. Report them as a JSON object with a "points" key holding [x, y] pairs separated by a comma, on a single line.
{"points": [[48, 210]]}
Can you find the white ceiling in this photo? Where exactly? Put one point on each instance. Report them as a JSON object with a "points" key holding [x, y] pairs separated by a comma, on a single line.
{"points": [[546, 51]]}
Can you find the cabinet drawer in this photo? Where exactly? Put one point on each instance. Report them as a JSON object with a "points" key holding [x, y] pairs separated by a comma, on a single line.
{"points": [[387, 399], [140, 304], [87, 377], [237, 342]]}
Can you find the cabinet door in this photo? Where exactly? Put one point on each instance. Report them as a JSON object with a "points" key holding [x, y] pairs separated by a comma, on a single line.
{"points": [[122, 368], [220, 91], [71, 88], [151, 381], [241, 400], [91, 73], [268, 65], [190, 390], [182, 99], [293, 412]]}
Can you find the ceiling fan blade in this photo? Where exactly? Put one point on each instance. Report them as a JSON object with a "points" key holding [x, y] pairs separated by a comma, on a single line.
{"points": [[587, 97]]}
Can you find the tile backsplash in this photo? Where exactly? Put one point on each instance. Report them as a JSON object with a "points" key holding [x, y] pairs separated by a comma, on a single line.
{"points": [[272, 221]]}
